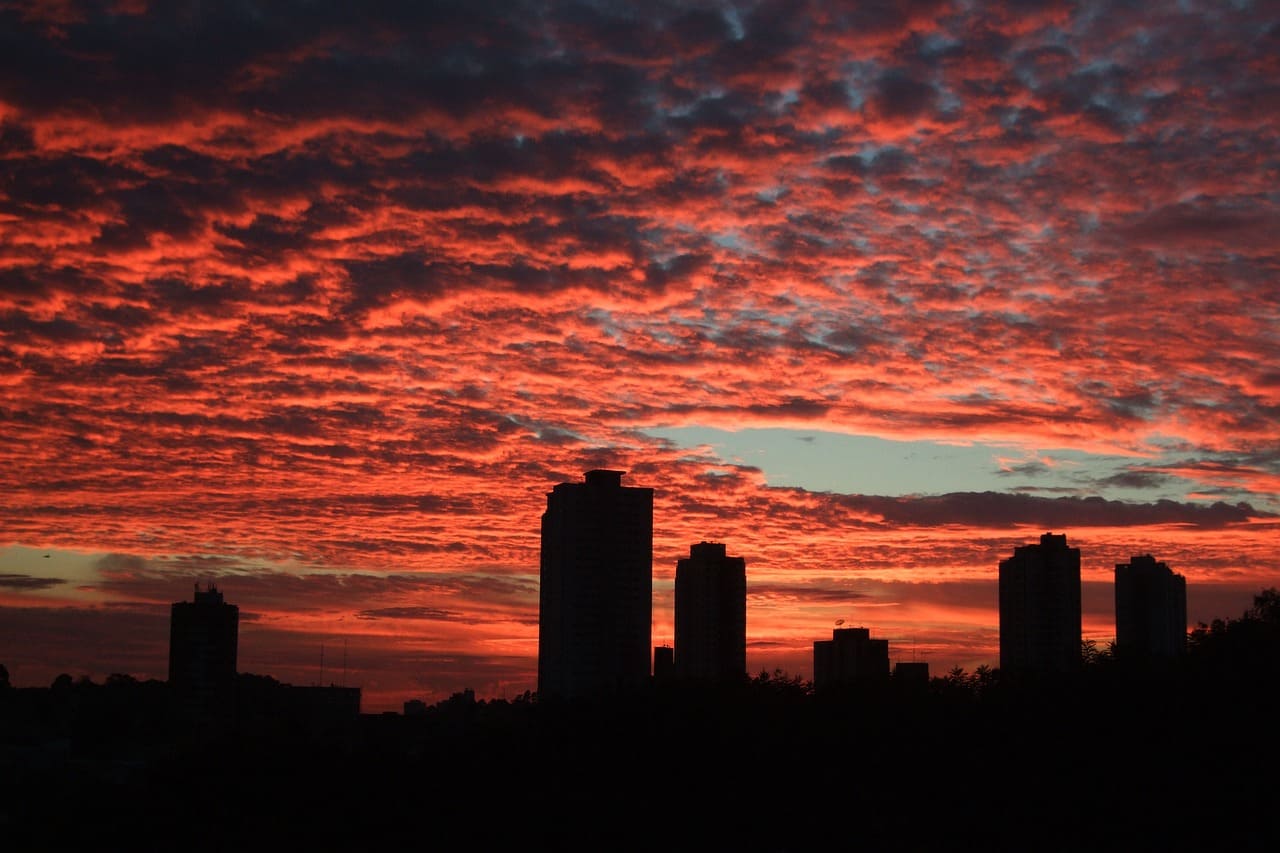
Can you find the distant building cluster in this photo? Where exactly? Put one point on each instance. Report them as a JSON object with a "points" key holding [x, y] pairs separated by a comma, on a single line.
{"points": [[596, 606], [595, 615], [1040, 613]]}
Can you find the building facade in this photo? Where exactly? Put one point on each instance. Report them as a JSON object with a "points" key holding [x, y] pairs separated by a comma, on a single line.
{"points": [[711, 615], [915, 672], [203, 640], [851, 656], [1151, 610], [596, 588], [664, 663], [1040, 622]]}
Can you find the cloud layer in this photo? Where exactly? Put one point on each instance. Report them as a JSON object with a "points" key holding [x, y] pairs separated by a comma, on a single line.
{"points": [[334, 293]]}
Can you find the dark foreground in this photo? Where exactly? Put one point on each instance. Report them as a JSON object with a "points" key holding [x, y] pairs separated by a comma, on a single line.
{"points": [[1121, 763]]}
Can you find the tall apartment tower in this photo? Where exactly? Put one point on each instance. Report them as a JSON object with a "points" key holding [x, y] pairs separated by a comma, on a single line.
{"points": [[1151, 610], [711, 615], [203, 635], [1040, 627], [596, 590]]}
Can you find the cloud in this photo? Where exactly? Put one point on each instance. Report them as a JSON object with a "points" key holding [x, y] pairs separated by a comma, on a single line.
{"points": [[407, 613], [818, 591], [998, 509], [1203, 223], [320, 306], [1034, 468], [899, 97], [1135, 479], [28, 583]]}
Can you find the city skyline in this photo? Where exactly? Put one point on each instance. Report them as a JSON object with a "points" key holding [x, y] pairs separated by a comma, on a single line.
{"points": [[317, 305], [582, 522], [130, 759]]}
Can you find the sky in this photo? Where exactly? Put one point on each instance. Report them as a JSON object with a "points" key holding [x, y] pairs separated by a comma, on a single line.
{"points": [[317, 301]]}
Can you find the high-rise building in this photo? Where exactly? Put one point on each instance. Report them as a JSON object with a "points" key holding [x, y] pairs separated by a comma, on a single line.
{"points": [[849, 657], [1151, 610], [203, 635], [1040, 626], [711, 615], [596, 588]]}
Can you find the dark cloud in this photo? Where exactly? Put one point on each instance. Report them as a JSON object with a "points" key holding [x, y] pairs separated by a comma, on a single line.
{"points": [[122, 563], [678, 270], [431, 613], [819, 591], [1025, 469], [15, 138], [28, 583], [1202, 223], [997, 509], [58, 330], [899, 96], [795, 407], [1135, 479], [37, 185], [846, 164]]}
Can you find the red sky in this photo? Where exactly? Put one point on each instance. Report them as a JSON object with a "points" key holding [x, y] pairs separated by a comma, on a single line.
{"points": [[319, 304]]}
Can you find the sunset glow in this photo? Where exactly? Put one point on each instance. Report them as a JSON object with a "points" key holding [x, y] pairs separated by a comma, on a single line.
{"points": [[319, 304]]}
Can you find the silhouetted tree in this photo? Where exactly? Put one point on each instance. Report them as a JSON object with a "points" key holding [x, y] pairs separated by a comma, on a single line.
{"points": [[1092, 656], [4, 677], [1266, 606], [1244, 648], [778, 682], [956, 685], [984, 678]]}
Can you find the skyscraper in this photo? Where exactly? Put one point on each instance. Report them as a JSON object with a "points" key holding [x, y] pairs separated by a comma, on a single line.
{"points": [[1040, 627], [711, 615], [203, 636], [596, 588], [1151, 610]]}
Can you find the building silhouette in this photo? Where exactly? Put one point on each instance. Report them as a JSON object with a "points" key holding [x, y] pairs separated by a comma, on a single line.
{"points": [[596, 588], [1040, 623], [203, 637], [664, 663], [711, 615], [911, 672], [849, 657], [1151, 610]]}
